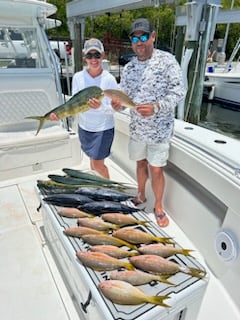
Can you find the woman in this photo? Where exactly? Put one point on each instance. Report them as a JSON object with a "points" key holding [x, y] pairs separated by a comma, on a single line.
{"points": [[96, 126]]}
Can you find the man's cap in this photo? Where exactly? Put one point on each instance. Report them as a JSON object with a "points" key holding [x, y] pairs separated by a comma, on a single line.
{"points": [[141, 24], [93, 44]]}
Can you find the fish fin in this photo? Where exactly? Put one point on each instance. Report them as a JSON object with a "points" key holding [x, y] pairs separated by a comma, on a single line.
{"points": [[158, 300], [41, 119], [198, 273]]}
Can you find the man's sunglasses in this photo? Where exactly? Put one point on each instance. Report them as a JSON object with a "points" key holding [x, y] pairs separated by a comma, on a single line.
{"points": [[143, 38], [95, 55]]}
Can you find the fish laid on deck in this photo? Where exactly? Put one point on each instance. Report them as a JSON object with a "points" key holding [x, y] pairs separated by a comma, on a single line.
{"points": [[114, 251], [123, 219], [106, 239], [158, 265], [67, 199], [99, 207], [97, 193], [138, 278], [76, 104], [78, 232], [163, 250], [102, 262], [97, 224], [124, 293], [92, 177], [73, 213], [82, 182], [137, 236]]}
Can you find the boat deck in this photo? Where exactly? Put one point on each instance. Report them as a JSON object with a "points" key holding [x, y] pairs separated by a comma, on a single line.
{"points": [[27, 268]]}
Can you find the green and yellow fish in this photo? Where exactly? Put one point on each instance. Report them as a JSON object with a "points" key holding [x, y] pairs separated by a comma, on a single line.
{"points": [[76, 104], [79, 103]]}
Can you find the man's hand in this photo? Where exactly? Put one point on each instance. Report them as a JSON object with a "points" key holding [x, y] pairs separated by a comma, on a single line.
{"points": [[146, 110], [116, 104]]}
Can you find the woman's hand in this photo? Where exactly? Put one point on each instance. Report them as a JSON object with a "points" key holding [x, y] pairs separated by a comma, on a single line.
{"points": [[94, 103], [53, 117]]}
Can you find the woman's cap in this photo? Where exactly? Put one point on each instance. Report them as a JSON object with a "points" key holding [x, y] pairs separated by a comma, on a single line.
{"points": [[93, 44]]}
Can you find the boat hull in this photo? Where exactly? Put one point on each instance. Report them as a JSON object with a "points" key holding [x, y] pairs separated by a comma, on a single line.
{"points": [[223, 87]]}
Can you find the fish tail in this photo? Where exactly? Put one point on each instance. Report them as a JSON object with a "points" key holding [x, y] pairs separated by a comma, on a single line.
{"points": [[129, 266], [198, 273], [165, 240], [144, 223], [164, 279], [158, 300], [115, 227], [134, 253], [185, 252], [41, 119]]}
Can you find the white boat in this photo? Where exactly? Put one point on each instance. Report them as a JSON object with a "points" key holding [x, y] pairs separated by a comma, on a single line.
{"points": [[224, 86], [40, 275], [223, 81]]}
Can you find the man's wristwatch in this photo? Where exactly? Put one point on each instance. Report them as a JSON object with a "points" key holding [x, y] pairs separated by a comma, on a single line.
{"points": [[155, 108]]}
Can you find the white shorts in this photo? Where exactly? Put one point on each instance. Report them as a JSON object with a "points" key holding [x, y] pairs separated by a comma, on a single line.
{"points": [[156, 154]]}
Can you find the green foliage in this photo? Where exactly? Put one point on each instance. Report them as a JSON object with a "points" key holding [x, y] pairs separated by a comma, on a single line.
{"points": [[117, 25]]}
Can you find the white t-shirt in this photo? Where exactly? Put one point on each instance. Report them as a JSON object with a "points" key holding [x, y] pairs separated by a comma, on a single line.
{"points": [[95, 120]]}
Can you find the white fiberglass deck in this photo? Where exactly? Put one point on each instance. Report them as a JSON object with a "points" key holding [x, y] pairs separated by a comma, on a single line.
{"points": [[31, 286]]}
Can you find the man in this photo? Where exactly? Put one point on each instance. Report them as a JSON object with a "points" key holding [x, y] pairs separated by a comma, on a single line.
{"points": [[153, 80]]}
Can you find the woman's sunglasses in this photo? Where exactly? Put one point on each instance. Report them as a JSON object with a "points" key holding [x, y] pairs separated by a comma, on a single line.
{"points": [[95, 55], [143, 38]]}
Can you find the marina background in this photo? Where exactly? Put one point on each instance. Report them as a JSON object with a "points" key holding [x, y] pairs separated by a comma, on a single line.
{"points": [[221, 118]]}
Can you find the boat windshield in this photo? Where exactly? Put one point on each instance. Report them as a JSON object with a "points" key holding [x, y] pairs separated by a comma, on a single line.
{"points": [[19, 48]]}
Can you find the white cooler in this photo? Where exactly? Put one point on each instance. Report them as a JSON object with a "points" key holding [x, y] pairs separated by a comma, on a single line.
{"points": [[82, 282]]}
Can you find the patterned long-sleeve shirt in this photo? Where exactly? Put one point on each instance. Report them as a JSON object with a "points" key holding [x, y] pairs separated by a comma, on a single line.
{"points": [[156, 80]]}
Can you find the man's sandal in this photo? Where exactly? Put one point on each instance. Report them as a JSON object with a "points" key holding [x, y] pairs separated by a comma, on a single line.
{"points": [[162, 219]]}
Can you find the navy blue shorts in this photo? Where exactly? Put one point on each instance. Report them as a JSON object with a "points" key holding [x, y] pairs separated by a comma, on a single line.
{"points": [[96, 145]]}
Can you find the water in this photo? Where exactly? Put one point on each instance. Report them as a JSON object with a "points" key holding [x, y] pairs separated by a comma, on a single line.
{"points": [[221, 118]]}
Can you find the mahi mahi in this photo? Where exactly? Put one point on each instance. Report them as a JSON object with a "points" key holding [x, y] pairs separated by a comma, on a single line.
{"points": [[76, 104]]}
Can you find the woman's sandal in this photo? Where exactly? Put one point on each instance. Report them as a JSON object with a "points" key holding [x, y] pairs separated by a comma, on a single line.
{"points": [[162, 219]]}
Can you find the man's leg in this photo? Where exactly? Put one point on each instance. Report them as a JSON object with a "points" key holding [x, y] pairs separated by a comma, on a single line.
{"points": [[158, 183], [142, 176]]}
